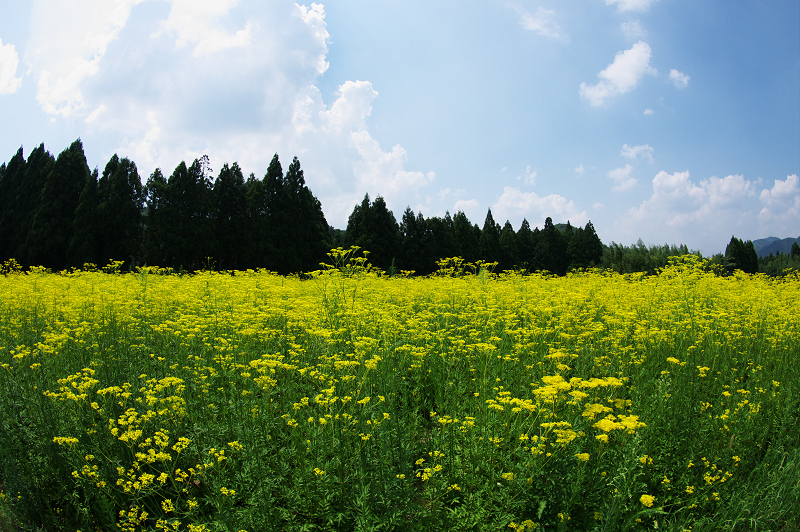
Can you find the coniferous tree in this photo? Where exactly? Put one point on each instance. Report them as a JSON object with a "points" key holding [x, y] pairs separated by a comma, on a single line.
{"points": [[508, 247], [302, 226], [10, 183], [373, 228], [25, 189], [741, 255], [53, 223], [119, 210], [157, 220], [415, 238], [467, 237], [490, 239], [443, 242], [525, 244], [84, 244], [230, 217], [550, 253]]}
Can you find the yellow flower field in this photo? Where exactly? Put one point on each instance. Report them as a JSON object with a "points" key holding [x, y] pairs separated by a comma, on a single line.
{"points": [[350, 400]]}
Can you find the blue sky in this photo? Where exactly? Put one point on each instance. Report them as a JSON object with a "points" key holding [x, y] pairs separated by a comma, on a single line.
{"points": [[673, 121]]}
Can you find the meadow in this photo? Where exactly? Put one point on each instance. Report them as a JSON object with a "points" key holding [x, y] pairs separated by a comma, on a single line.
{"points": [[352, 400]]}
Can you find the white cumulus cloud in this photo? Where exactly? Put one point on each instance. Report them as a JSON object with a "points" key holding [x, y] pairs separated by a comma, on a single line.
{"points": [[621, 76], [631, 5], [679, 79], [622, 178], [9, 61], [706, 210], [64, 54], [780, 215], [514, 205]]}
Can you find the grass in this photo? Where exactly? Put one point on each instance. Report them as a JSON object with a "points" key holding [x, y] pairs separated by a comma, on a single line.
{"points": [[356, 401]]}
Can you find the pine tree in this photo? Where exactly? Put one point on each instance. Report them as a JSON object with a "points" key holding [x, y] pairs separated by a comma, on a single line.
{"points": [[120, 201], [467, 237], [230, 217], [24, 188], [157, 220], [53, 223], [490, 239], [508, 247], [10, 183], [301, 223], [84, 244], [525, 244], [550, 253], [373, 228], [442, 242]]}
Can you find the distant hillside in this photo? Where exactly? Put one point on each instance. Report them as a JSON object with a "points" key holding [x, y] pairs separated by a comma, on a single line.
{"points": [[772, 244]]}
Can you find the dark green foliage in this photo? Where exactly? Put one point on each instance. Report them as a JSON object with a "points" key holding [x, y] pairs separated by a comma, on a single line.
{"points": [[53, 224], [550, 251], [373, 227], [639, 258], [442, 241], [524, 244], [23, 182], [120, 199], [741, 256], [230, 217], [508, 248], [84, 246], [489, 241], [467, 237], [416, 240], [795, 253], [299, 225], [585, 249], [156, 225]]}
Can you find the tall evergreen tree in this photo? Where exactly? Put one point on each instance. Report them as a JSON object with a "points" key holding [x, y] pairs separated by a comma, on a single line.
{"points": [[525, 244], [230, 217], [157, 221], [741, 255], [53, 223], [490, 239], [467, 237], [25, 188], [10, 183], [120, 200], [508, 247], [550, 253], [302, 225], [373, 228], [443, 242], [84, 245]]}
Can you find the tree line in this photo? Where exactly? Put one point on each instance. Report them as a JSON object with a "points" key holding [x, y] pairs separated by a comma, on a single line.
{"points": [[55, 212]]}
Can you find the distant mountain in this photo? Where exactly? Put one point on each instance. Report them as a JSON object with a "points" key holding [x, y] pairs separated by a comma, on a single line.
{"points": [[772, 244]]}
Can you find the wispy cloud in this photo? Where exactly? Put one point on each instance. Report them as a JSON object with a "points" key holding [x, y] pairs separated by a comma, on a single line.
{"points": [[680, 79], [621, 76], [633, 152], [529, 177], [542, 22], [633, 30], [631, 5]]}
